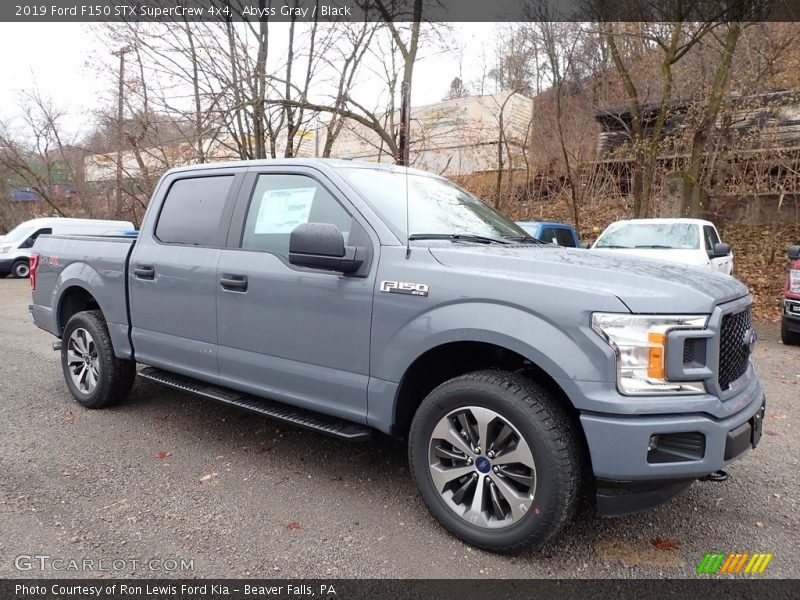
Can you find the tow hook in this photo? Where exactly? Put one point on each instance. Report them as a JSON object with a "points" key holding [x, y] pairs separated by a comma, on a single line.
{"points": [[716, 476], [57, 345]]}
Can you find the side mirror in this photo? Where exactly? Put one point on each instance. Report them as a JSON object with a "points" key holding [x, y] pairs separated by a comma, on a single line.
{"points": [[720, 249], [321, 246], [585, 245], [794, 252]]}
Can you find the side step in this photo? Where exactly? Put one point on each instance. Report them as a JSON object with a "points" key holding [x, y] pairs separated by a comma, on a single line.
{"points": [[268, 408]]}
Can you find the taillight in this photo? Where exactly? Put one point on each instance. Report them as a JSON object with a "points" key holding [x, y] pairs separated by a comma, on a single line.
{"points": [[34, 263]]}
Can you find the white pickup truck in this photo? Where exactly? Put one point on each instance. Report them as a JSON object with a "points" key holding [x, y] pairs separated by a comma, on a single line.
{"points": [[688, 241]]}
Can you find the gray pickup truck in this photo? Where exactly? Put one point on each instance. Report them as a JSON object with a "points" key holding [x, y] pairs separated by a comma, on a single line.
{"points": [[353, 298]]}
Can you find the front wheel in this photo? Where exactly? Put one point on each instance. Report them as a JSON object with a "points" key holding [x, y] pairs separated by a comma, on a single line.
{"points": [[95, 377], [495, 458], [789, 338], [21, 269]]}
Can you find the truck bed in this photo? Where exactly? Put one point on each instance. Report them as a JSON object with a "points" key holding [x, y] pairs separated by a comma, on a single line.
{"points": [[75, 261]]}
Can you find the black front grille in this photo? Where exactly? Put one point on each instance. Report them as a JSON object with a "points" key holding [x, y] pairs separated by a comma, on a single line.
{"points": [[734, 348], [688, 351]]}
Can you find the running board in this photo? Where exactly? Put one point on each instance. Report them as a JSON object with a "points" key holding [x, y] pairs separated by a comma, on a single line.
{"points": [[268, 408]]}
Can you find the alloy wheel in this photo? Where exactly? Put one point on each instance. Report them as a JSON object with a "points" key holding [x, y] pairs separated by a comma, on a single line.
{"points": [[83, 361], [482, 467]]}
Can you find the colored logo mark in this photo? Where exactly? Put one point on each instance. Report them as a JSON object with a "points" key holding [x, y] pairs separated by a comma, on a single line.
{"points": [[736, 562]]}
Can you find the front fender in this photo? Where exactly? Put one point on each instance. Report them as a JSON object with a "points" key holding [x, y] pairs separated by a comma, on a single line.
{"points": [[561, 349]]}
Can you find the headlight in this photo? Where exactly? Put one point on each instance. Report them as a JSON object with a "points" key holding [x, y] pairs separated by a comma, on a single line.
{"points": [[639, 341], [794, 281]]}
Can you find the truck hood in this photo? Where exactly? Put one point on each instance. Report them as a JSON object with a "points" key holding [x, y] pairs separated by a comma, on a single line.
{"points": [[695, 257], [645, 286]]}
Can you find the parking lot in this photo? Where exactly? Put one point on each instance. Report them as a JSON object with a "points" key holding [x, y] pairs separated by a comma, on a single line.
{"points": [[168, 476]]}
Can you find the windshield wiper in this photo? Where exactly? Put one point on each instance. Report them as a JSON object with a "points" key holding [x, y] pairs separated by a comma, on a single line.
{"points": [[524, 239], [459, 237], [655, 246], [623, 247]]}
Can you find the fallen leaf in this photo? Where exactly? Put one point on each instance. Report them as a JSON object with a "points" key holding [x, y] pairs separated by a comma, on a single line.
{"points": [[293, 525], [163, 454], [70, 418], [666, 545], [759, 524], [208, 477], [778, 417], [632, 554], [160, 417], [770, 432]]}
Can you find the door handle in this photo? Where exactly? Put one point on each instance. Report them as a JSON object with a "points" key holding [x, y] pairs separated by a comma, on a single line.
{"points": [[234, 283], [145, 272]]}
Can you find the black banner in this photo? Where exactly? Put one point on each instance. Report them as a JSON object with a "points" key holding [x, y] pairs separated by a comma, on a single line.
{"points": [[372, 589], [397, 10]]}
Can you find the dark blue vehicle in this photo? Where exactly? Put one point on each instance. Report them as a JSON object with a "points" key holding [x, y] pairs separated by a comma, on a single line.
{"points": [[552, 233]]}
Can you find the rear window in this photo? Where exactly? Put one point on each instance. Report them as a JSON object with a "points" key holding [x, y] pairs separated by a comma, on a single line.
{"points": [[192, 211]]}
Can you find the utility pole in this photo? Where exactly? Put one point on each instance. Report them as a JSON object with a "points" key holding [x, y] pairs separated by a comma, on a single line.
{"points": [[120, 137]]}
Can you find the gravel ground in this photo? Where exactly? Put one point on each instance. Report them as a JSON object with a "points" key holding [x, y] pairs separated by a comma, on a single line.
{"points": [[170, 476]]}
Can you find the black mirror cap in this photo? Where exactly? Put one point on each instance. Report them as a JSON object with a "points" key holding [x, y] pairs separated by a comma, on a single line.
{"points": [[321, 246], [319, 239], [794, 252], [721, 249], [585, 245]]}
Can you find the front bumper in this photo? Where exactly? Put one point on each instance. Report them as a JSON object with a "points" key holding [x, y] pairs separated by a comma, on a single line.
{"points": [[791, 313], [5, 266], [622, 447]]}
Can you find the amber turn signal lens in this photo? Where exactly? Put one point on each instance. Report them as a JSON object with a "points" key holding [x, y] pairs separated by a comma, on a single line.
{"points": [[655, 366]]}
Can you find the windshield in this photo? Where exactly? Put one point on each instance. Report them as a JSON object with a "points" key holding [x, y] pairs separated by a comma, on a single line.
{"points": [[435, 206], [17, 235], [681, 236]]}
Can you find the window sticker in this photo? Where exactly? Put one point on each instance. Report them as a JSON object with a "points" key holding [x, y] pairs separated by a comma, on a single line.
{"points": [[283, 210]]}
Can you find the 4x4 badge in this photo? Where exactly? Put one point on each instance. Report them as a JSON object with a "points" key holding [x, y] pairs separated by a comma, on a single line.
{"points": [[402, 287]]}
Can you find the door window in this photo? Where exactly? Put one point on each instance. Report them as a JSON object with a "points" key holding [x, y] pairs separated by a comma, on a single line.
{"points": [[565, 238], [711, 237], [282, 202], [32, 239], [193, 209], [549, 236]]}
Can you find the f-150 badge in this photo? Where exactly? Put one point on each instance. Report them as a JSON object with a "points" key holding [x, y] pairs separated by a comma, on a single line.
{"points": [[402, 287]]}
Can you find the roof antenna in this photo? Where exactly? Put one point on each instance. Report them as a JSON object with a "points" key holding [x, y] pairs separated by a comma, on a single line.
{"points": [[404, 131]]}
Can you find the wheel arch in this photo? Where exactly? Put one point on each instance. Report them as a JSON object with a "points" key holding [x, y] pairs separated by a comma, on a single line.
{"points": [[73, 299], [451, 359]]}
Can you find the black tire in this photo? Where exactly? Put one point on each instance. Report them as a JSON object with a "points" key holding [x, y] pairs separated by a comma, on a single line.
{"points": [[115, 376], [547, 429], [21, 269], [789, 338]]}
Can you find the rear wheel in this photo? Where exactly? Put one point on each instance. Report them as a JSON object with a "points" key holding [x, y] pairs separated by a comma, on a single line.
{"points": [[495, 458], [790, 338], [21, 269], [95, 377]]}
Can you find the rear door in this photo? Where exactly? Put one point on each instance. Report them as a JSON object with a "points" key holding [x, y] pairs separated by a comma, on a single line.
{"points": [[173, 272], [294, 334]]}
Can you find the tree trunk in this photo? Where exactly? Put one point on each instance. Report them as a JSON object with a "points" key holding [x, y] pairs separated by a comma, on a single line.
{"points": [[694, 204]]}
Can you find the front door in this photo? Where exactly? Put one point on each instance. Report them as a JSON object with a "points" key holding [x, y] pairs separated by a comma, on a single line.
{"points": [[294, 334], [719, 263], [173, 273]]}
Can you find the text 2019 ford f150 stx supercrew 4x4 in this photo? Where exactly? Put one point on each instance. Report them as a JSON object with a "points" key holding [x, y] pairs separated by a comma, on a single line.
{"points": [[352, 298]]}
